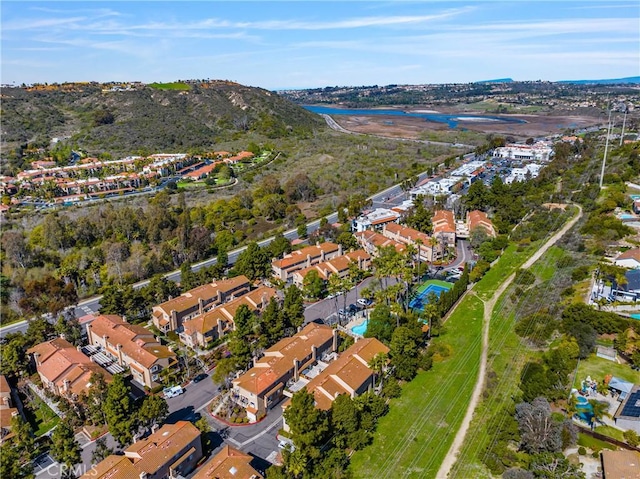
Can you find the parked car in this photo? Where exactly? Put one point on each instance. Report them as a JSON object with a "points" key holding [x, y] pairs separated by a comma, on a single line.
{"points": [[364, 301], [172, 391], [200, 377], [352, 308], [342, 312]]}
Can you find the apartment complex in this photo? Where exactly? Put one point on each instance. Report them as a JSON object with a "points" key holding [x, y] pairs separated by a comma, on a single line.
{"points": [[131, 346], [444, 227], [284, 268], [63, 369], [261, 388], [7, 411], [338, 265], [409, 236], [349, 374], [229, 463], [170, 452], [170, 315], [479, 220], [217, 322], [371, 241]]}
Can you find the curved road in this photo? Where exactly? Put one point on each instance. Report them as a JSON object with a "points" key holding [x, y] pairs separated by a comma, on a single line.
{"points": [[458, 441]]}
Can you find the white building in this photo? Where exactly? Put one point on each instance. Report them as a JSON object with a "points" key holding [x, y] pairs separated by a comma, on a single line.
{"points": [[375, 219], [540, 151], [527, 172]]}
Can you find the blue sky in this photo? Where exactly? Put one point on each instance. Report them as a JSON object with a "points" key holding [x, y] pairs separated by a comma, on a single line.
{"points": [[276, 44]]}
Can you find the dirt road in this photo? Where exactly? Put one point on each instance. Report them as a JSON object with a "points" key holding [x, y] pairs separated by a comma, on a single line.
{"points": [[458, 441]]}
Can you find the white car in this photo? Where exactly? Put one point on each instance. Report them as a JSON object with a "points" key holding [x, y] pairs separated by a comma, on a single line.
{"points": [[172, 391], [363, 301]]}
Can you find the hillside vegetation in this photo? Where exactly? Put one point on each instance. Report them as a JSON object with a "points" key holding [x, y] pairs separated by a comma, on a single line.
{"points": [[173, 117]]}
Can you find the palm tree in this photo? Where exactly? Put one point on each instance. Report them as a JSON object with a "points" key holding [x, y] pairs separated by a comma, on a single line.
{"points": [[419, 243], [296, 463], [600, 410], [378, 363], [571, 408]]}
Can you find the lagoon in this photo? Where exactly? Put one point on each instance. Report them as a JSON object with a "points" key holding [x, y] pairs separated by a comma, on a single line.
{"points": [[451, 120]]}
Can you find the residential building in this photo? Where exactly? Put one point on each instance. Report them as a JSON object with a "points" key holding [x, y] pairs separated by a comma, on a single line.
{"points": [[261, 388], [371, 241], [349, 374], [131, 346], [629, 259], [479, 219], [304, 258], [63, 369], [409, 236], [170, 452], [7, 411], [338, 265], [229, 463], [375, 220], [217, 322], [527, 172], [444, 227], [620, 464], [170, 315], [628, 414], [630, 290]]}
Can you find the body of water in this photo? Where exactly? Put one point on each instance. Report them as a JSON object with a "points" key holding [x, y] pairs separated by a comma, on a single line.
{"points": [[360, 328], [451, 120]]}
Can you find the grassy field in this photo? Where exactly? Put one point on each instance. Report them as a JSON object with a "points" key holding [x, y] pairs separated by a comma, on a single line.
{"points": [[170, 86], [598, 368], [41, 417], [593, 443], [507, 356], [413, 439], [415, 436]]}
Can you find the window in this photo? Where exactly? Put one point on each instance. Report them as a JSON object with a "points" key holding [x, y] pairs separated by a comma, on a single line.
{"points": [[155, 368]]}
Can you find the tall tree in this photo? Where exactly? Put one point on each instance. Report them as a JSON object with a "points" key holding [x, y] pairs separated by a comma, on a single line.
{"points": [[253, 262], [154, 410], [101, 451], [293, 307], [308, 424], [119, 411], [64, 447], [313, 285]]}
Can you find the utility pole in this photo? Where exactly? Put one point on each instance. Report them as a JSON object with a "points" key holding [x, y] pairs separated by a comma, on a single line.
{"points": [[606, 148], [624, 121]]}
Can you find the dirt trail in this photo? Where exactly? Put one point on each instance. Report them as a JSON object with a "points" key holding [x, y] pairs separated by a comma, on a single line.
{"points": [[458, 441]]}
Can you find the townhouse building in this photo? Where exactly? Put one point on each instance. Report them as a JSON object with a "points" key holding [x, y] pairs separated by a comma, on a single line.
{"points": [[214, 324], [229, 463], [410, 236], [7, 410], [338, 265], [284, 268], [479, 220], [371, 241], [444, 227], [131, 346], [349, 374], [63, 369], [261, 387], [170, 315], [170, 452]]}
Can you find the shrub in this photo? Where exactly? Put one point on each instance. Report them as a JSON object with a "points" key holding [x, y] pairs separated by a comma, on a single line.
{"points": [[631, 437], [582, 451]]}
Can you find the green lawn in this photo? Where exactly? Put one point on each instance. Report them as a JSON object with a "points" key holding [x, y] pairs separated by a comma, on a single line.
{"points": [[545, 269], [511, 259], [598, 368], [416, 434], [593, 443], [611, 432], [41, 417]]}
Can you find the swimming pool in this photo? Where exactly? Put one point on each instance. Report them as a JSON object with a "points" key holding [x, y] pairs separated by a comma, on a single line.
{"points": [[584, 410], [360, 328], [635, 315], [418, 302]]}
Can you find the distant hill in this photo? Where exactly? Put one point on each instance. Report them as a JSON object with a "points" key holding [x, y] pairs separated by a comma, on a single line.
{"points": [[610, 81], [158, 117], [499, 80]]}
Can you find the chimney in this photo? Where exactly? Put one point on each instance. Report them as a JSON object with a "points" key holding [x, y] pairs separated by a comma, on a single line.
{"points": [[119, 348], [66, 384], [340, 250], [295, 370], [154, 428], [124, 318], [36, 359], [334, 346], [200, 305]]}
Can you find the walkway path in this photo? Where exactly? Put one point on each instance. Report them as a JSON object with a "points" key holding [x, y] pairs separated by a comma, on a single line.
{"points": [[458, 441]]}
